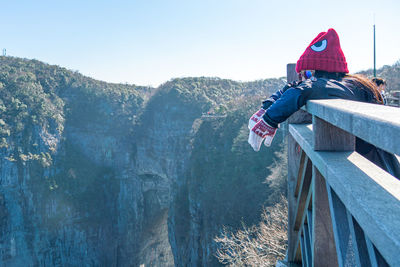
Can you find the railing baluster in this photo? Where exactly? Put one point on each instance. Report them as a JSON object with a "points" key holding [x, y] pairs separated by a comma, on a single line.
{"points": [[374, 256], [305, 183], [371, 252], [296, 241], [303, 252], [309, 223], [307, 242], [294, 163], [343, 239], [324, 252], [303, 161], [359, 245]]}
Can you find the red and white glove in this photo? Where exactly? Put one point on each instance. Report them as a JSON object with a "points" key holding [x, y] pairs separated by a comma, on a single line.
{"points": [[259, 132], [255, 118]]}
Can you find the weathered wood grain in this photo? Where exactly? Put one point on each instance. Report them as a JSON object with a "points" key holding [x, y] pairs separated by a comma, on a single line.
{"points": [[331, 138], [376, 124]]}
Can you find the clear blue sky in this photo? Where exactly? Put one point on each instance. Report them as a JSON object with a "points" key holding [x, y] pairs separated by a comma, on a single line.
{"points": [[150, 42]]}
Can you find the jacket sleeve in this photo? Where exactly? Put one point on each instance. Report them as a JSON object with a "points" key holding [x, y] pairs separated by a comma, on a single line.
{"points": [[283, 107], [269, 101], [293, 99]]}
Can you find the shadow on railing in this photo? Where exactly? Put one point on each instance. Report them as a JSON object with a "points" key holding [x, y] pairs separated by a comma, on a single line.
{"points": [[343, 209]]}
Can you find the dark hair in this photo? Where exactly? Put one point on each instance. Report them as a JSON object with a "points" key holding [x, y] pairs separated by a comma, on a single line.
{"points": [[366, 84], [329, 75], [358, 80], [379, 81]]}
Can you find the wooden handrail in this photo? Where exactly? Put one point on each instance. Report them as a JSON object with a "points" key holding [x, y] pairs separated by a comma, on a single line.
{"points": [[371, 195], [343, 209], [376, 124]]}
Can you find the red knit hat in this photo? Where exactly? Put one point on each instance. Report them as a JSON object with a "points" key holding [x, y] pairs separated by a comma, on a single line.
{"points": [[323, 53]]}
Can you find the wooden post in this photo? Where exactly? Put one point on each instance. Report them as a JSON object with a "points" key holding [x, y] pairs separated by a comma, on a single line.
{"points": [[293, 166], [291, 72], [300, 116], [330, 137], [294, 155]]}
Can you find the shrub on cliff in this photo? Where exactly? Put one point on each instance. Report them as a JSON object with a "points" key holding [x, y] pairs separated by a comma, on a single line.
{"points": [[39, 96], [260, 245]]}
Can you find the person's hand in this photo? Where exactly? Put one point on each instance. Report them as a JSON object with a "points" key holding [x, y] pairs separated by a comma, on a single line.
{"points": [[259, 132], [255, 118]]}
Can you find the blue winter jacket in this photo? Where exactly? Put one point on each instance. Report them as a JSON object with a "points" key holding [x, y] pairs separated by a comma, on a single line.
{"points": [[284, 103]]}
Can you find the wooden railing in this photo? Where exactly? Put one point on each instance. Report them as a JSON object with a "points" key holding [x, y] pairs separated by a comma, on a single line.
{"points": [[393, 98], [343, 209]]}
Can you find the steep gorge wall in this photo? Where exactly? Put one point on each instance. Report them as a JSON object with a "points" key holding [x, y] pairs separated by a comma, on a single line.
{"points": [[80, 208], [104, 198], [108, 179], [162, 152]]}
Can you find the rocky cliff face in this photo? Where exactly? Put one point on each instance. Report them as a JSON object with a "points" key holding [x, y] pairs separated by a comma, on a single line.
{"points": [[98, 181], [83, 206]]}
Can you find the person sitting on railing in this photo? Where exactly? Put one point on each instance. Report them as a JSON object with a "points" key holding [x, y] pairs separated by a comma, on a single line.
{"points": [[323, 74]]}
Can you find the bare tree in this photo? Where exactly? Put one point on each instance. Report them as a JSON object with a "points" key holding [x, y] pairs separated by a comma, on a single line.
{"points": [[260, 245]]}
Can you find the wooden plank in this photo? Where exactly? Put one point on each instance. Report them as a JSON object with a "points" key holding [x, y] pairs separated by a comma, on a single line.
{"points": [[307, 243], [291, 74], [297, 238], [370, 194], [375, 257], [294, 157], [331, 233], [300, 117], [304, 189], [298, 256], [304, 261], [329, 137], [343, 239], [324, 252], [309, 222], [376, 124], [359, 244], [381, 261], [371, 252], [293, 166], [300, 174]]}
